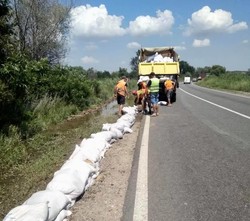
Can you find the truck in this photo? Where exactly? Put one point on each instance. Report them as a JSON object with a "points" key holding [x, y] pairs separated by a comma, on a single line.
{"points": [[187, 80], [164, 62]]}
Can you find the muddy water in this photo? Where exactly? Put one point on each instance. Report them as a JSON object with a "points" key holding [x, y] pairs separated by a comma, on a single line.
{"points": [[84, 119], [109, 109]]}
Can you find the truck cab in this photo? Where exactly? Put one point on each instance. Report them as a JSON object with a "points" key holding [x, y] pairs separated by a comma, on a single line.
{"points": [[164, 62]]}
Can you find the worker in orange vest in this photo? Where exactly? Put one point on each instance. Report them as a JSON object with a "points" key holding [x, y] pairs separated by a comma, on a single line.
{"points": [[120, 93], [169, 87]]}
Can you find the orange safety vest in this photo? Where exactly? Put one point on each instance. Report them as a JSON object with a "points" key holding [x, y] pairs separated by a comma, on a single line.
{"points": [[121, 88], [141, 93], [168, 84]]}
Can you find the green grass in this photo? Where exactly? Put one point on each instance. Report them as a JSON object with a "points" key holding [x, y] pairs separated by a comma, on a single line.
{"points": [[27, 165], [50, 149], [234, 82]]}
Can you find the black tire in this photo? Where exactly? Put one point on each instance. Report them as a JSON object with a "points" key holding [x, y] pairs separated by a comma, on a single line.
{"points": [[173, 97]]}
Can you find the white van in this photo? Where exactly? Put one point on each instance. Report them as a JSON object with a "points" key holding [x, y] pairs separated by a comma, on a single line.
{"points": [[187, 80]]}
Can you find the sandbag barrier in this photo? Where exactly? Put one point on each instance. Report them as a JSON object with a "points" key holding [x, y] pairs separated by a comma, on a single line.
{"points": [[75, 176]]}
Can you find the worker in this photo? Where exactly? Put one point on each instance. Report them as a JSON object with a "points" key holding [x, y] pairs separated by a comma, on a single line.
{"points": [[153, 87], [169, 88], [143, 92], [120, 93]]}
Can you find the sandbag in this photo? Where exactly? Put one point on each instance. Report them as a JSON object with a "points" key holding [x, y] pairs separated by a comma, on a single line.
{"points": [[85, 170], [36, 212], [103, 135], [67, 181], [61, 216], [118, 133], [57, 201]]}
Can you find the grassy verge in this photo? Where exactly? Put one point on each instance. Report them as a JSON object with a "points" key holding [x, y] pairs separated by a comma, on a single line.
{"points": [[233, 82], [53, 148], [28, 165]]}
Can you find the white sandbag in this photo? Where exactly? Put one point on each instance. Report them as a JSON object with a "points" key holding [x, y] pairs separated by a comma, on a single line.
{"points": [[128, 130], [62, 215], [57, 201], [162, 103], [106, 127], [129, 118], [103, 135], [100, 144], [129, 110], [38, 212], [75, 152], [88, 153], [85, 170], [119, 126], [67, 181], [119, 134], [158, 58], [123, 123]]}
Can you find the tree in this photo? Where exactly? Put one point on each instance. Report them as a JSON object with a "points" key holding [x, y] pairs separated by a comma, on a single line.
{"points": [[104, 74], [91, 73], [217, 70], [248, 72], [5, 30], [42, 26], [122, 72], [134, 62], [185, 67], [202, 72]]}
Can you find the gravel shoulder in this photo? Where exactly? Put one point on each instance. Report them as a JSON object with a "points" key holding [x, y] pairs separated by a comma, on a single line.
{"points": [[105, 198]]}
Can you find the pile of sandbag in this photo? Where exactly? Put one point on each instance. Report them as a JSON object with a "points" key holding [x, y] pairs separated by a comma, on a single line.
{"points": [[75, 175], [158, 58]]}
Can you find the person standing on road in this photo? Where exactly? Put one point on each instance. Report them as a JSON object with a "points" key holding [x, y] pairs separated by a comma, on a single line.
{"points": [[120, 93], [169, 87], [153, 87], [143, 90]]}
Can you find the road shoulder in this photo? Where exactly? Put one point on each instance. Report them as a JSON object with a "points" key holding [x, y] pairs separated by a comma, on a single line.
{"points": [[104, 200]]}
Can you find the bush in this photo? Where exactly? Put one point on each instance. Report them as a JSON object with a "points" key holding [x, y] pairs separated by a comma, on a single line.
{"points": [[237, 82]]}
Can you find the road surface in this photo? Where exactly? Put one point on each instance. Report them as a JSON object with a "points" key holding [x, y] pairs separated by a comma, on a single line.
{"points": [[193, 161]]}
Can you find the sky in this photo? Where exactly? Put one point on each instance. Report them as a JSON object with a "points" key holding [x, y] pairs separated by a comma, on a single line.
{"points": [[105, 35]]}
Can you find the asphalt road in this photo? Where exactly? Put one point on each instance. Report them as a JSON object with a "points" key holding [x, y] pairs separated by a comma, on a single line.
{"points": [[195, 163]]}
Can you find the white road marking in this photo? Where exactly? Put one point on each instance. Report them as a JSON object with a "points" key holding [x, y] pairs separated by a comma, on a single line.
{"points": [[141, 195], [217, 105]]}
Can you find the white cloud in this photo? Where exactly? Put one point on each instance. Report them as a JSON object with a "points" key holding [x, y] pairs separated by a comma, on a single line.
{"points": [[245, 41], [88, 21], [201, 43], [147, 25], [205, 21], [237, 27], [133, 45], [89, 60]]}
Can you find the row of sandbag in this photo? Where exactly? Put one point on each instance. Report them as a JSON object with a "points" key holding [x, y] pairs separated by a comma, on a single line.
{"points": [[74, 177]]}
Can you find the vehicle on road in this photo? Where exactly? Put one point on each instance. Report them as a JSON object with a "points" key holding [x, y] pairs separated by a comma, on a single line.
{"points": [[164, 62], [187, 80], [194, 80]]}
